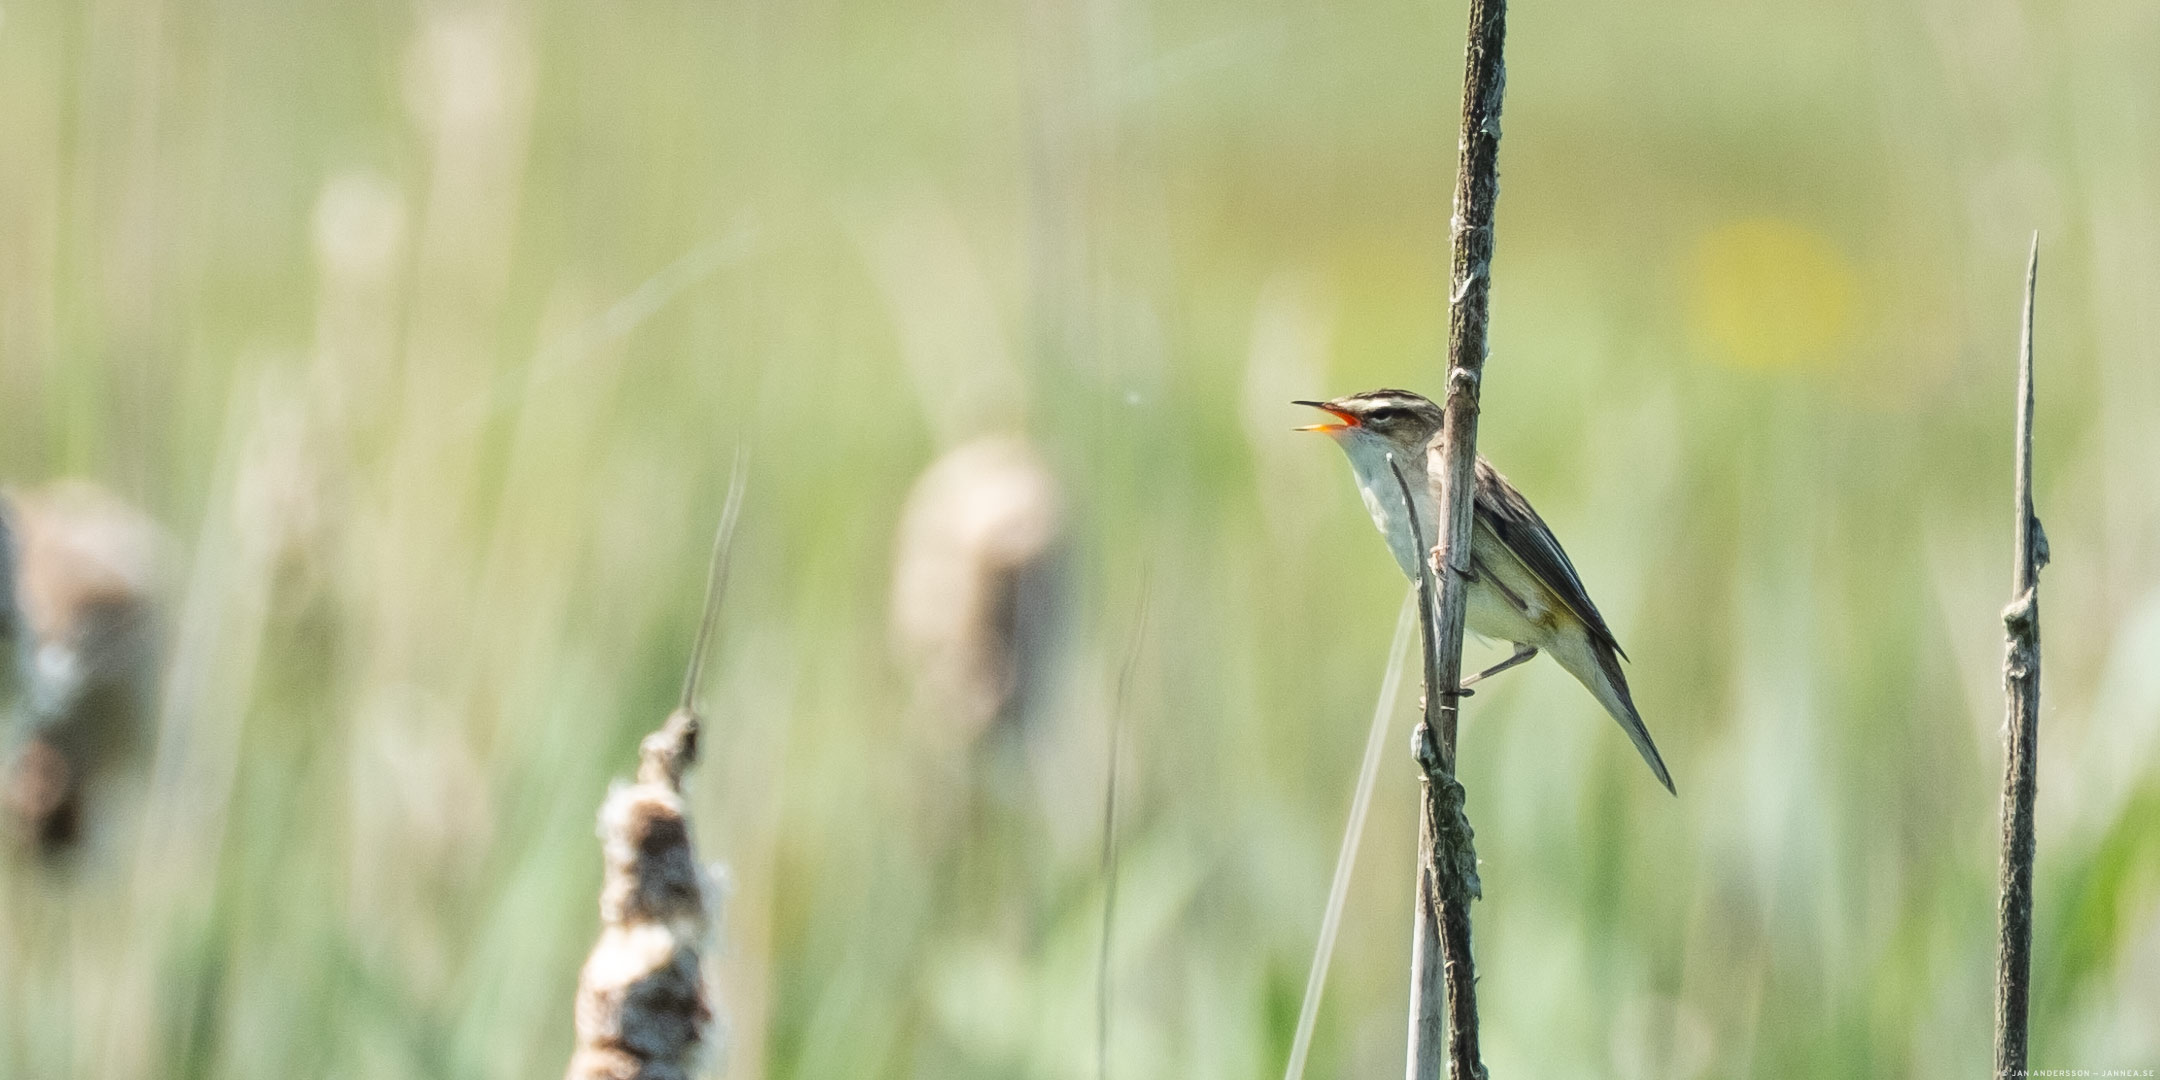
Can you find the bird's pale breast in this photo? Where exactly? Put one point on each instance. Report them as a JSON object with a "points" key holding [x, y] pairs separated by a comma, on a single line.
{"points": [[1506, 603]]}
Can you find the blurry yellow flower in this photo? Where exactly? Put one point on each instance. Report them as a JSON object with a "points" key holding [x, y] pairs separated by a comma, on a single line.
{"points": [[1770, 294]]}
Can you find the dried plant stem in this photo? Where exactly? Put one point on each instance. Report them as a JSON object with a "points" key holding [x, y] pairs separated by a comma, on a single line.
{"points": [[2021, 729], [715, 579], [1110, 838], [642, 1012], [1447, 1030], [1443, 979], [1346, 855]]}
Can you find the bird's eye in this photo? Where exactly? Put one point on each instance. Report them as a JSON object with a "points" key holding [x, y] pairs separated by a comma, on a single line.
{"points": [[1386, 415]]}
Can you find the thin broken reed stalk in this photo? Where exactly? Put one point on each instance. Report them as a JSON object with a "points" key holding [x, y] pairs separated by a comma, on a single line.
{"points": [[1446, 1028], [642, 1012], [1110, 836], [1346, 854], [2021, 728]]}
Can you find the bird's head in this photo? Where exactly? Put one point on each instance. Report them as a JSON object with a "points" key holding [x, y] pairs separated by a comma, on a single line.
{"points": [[1396, 420]]}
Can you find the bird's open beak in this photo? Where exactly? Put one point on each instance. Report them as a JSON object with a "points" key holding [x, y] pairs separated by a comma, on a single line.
{"points": [[1348, 420]]}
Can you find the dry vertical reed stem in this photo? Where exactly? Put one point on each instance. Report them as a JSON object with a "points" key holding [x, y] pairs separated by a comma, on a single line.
{"points": [[642, 1011], [1447, 874], [1110, 835], [2021, 728], [1446, 1028]]}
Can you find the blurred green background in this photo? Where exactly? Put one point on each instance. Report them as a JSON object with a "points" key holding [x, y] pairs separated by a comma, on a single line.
{"points": [[428, 332]]}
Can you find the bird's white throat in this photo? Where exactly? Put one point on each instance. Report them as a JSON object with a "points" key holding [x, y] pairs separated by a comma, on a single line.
{"points": [[1369, 456]]}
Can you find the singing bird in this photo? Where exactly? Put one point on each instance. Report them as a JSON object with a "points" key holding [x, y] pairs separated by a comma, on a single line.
{"points": [[1523, 589]]}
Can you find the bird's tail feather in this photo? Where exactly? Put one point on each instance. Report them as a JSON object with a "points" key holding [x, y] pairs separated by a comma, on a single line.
{"points": [[1597, 666]]}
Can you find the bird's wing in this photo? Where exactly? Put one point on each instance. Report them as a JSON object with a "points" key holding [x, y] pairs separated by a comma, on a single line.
{"points": [[1503, 509]]}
